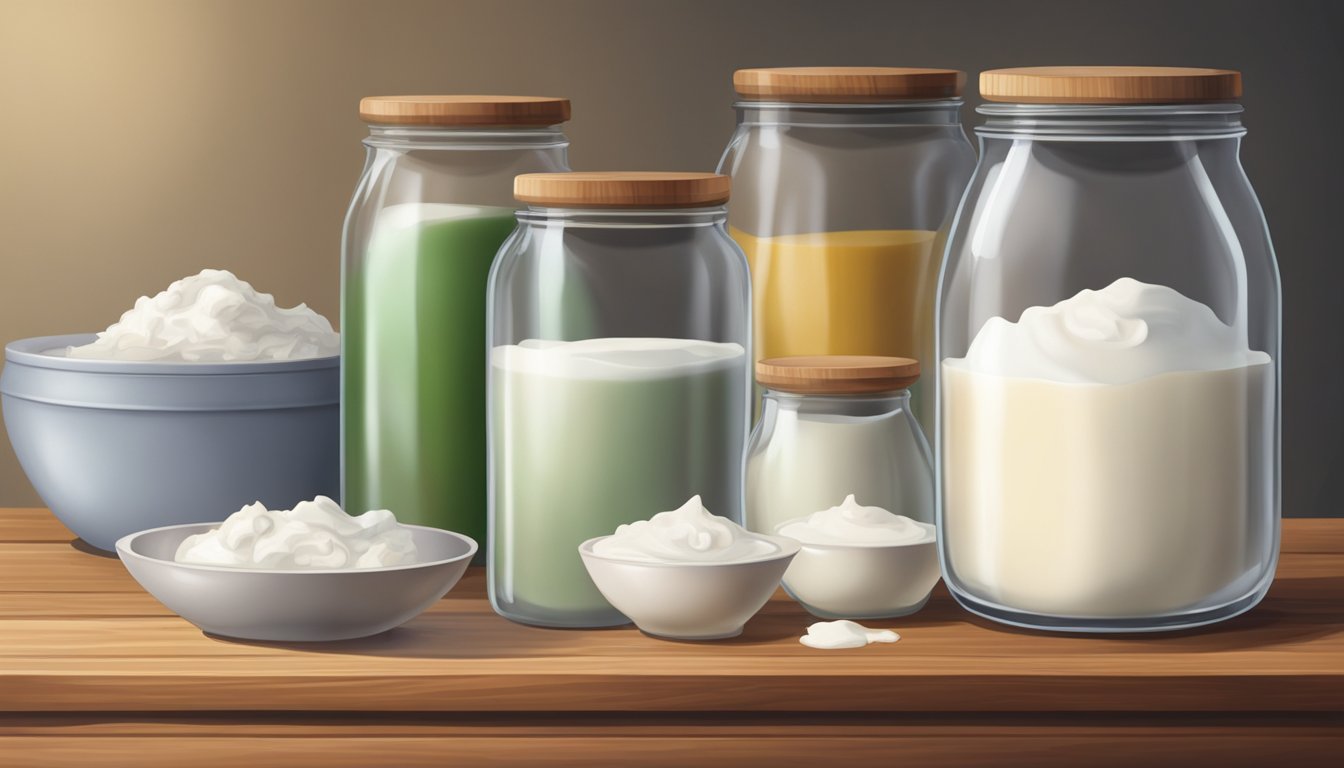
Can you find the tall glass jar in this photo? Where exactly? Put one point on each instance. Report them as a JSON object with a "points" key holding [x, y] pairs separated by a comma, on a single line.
{"points": [[433, 206], [1109, 338], [844, 183], [833, 426], [619, 384]]}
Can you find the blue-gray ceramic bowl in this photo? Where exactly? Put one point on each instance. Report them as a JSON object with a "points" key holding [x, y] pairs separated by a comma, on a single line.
{"points": [[115, 447]]}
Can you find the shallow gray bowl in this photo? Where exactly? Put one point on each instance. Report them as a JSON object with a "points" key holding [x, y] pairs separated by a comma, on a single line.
{"points": [[115, 447], [295, 606]]}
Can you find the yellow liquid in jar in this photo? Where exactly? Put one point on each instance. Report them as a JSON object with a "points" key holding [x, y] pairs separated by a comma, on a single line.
{"points": [[863, 292]]}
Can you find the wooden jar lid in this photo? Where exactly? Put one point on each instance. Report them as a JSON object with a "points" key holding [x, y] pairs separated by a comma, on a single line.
{"points": [[622, 189], [464, 110], [847, 85], [837, 374], [1110, 85]]}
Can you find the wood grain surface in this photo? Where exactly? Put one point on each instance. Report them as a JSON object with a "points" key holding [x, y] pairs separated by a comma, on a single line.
{"points": [[622, 189], [1110, 85], [94, 671]]}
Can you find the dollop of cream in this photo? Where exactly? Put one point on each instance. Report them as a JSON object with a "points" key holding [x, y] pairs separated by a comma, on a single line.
{"points": [[1125, 332], [852, 523], [213, 317], [313, 535], [690, 534], [831, 635]]}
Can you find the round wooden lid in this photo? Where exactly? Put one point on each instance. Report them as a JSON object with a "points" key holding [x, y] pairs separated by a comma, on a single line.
{"points": [[837, 374], [622, 189], [847, 85], [1110, 85], [464, 110]]}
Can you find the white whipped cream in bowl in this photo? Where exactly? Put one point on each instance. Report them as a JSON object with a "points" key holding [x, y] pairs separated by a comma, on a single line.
{"points": [[689, 534], [861, 562], [687, 573], [200, 398], [313, 535], [310, 573], [212, 317]]}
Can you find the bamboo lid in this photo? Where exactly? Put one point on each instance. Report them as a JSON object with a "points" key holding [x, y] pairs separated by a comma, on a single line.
{"points": [[463, 110], [837, 374], [1110, 85], [847, 85], [622, 189]]}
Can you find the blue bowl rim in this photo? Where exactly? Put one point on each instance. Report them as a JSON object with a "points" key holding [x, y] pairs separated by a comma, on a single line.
{"points": [[31, 352]]}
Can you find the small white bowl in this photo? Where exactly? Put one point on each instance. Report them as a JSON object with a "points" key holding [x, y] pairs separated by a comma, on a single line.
{"points": [[688, 601], [295, 606], [862, 581]]}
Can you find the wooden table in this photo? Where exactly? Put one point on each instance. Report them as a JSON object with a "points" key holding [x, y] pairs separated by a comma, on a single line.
{"points": [[94, 672]]}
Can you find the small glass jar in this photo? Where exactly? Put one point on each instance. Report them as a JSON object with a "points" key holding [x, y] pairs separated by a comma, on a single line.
{"points": [[832, 426], [432, 208], [620, 336], [1109, 338], [845, 180]]}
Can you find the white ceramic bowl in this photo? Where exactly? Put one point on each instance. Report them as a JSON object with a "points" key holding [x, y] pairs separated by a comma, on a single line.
{"points": [[688, 601], [295, 606], [862, 581]]}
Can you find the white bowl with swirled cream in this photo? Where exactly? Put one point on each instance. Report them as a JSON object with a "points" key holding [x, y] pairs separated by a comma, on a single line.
{"points": [[667, 592], [295, 605]]}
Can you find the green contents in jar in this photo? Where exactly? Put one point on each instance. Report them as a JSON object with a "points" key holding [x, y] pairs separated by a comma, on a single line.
{"points": [[413, 333], [588, 435]]}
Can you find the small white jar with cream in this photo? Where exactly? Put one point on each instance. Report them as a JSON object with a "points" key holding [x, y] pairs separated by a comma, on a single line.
{"points": [[861, 562], [832, 426]]}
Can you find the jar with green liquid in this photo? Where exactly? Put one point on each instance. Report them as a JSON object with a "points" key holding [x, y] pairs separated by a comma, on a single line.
{"points": [[434, 204]]}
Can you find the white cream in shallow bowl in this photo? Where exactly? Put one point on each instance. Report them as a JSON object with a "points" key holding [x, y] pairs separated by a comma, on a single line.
{"points": [[299, 577], [687, 574], [857, 562]]}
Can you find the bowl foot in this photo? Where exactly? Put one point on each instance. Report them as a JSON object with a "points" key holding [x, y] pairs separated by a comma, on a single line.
{"points": [[678, 636]]}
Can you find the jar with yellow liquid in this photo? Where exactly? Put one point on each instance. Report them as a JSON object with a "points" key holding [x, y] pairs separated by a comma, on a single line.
{"points": [[845, 180]]}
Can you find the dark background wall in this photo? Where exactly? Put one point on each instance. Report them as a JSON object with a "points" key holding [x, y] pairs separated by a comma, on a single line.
{"points": [[142, 140]]}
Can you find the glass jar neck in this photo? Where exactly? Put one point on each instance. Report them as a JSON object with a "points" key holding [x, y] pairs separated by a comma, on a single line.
{"points": [[896, 113], [848, 405], [626, 218], [1110, 122], [409, 137]]}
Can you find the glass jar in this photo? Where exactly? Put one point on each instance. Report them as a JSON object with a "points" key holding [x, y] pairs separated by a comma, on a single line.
{"points": [[844, 183], [832, 426], [619, 386], [1109, 338], [432, 208]]}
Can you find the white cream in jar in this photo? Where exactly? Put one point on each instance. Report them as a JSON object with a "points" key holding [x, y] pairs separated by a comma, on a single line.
{"points": [[689, 534], [314, 535], [1094, 454], [851, 523]]}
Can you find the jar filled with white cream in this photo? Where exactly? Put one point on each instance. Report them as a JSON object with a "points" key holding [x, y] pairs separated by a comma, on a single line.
{"points": [[833, 426], [1108, 352]]}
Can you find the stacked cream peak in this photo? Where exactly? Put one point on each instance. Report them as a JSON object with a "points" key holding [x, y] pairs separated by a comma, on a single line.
{"points": [[690, 534], [1095, 456], [313, 535], [213, 317]]}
